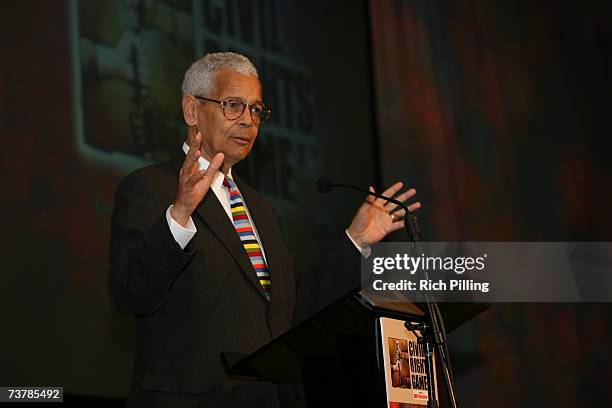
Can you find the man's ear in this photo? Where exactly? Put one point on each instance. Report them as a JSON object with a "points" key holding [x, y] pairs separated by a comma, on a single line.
{"points": [[189, 110]]}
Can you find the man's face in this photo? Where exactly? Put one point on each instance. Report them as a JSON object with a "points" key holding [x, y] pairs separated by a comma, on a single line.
{"points": [[233, 138]]}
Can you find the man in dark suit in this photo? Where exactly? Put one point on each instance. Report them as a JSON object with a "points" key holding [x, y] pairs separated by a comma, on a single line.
{"points": [[198, 258]]}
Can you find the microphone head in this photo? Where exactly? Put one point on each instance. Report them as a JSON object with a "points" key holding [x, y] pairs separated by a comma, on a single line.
{"points": [[324, 185]]}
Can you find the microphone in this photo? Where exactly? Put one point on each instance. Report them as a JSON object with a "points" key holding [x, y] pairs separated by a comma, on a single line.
{"points": [[325, 185]]}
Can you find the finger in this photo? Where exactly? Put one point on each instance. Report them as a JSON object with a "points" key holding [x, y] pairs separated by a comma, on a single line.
{"points": [[197, 143], [195, 146], [390, 192], [194, 179], [216, 163], [397, 225], [391, 207], [399, 214], [205, 177], [414, 207], [401, 198], [189, 165], [371, 198], [194, 165]]}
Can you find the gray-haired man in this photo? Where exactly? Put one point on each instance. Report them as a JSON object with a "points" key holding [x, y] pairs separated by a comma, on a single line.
{"points": [[198, 258]]}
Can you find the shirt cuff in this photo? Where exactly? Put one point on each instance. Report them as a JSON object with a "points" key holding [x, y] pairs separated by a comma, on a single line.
{"points": [[181, 235], [365, 252]]}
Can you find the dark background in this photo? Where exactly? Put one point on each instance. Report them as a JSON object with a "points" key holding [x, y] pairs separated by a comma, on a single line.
{"points": [[497, 112]]}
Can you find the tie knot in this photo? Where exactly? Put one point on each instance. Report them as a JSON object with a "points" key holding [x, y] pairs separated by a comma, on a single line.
{"points": [[229, 183]]}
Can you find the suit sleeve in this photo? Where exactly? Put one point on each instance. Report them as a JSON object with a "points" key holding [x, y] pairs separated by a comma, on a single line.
{"points": [[336, 273], [144, 257]]}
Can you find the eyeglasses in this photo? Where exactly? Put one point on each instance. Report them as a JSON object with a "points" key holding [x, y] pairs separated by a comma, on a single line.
{"points": [[234, 108]]}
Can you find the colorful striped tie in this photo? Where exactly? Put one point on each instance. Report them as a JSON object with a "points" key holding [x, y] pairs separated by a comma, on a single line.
{"points": [[244, 228]]}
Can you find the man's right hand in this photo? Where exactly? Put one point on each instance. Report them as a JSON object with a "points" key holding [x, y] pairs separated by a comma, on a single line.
{"points": [[193, 182]]}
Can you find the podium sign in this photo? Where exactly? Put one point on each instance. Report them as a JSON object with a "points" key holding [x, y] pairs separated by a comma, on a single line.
{"points": [[404, 365]]}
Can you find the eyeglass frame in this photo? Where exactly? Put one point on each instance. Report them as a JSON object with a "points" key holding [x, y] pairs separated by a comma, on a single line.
{"points": [[245, 105]]}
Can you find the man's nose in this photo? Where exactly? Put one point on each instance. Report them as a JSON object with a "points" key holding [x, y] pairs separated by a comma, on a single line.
{"points": [[246, 120]]}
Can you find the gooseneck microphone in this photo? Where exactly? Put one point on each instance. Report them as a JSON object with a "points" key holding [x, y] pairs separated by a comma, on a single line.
{"points": [[325, 185]]}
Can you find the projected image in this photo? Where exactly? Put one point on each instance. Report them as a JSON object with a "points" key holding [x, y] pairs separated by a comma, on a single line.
{"points": [[130, 56]]}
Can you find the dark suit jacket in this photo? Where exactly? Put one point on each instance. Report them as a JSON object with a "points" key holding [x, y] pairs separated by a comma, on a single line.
{"points": [[192, 304]]}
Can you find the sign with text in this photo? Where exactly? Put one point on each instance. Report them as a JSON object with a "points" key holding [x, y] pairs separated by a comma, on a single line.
{"points": [[405, 374]]}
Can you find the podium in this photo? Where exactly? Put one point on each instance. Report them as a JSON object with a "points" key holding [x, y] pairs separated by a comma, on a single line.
{"points": [[337, 355]]}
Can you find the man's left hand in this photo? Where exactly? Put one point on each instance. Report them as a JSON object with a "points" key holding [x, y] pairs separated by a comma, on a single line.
{"points": [[376, 217]]}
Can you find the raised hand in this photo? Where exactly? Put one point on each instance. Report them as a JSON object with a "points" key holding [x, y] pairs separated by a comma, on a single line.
{"points": [[376, 217], [193, 182]]}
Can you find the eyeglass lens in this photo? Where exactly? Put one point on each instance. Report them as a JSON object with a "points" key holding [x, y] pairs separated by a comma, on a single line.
{"points": [[233, 109]]}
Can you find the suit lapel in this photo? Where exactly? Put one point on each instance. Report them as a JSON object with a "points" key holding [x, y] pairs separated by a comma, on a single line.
{"points": [[212, 213]]}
